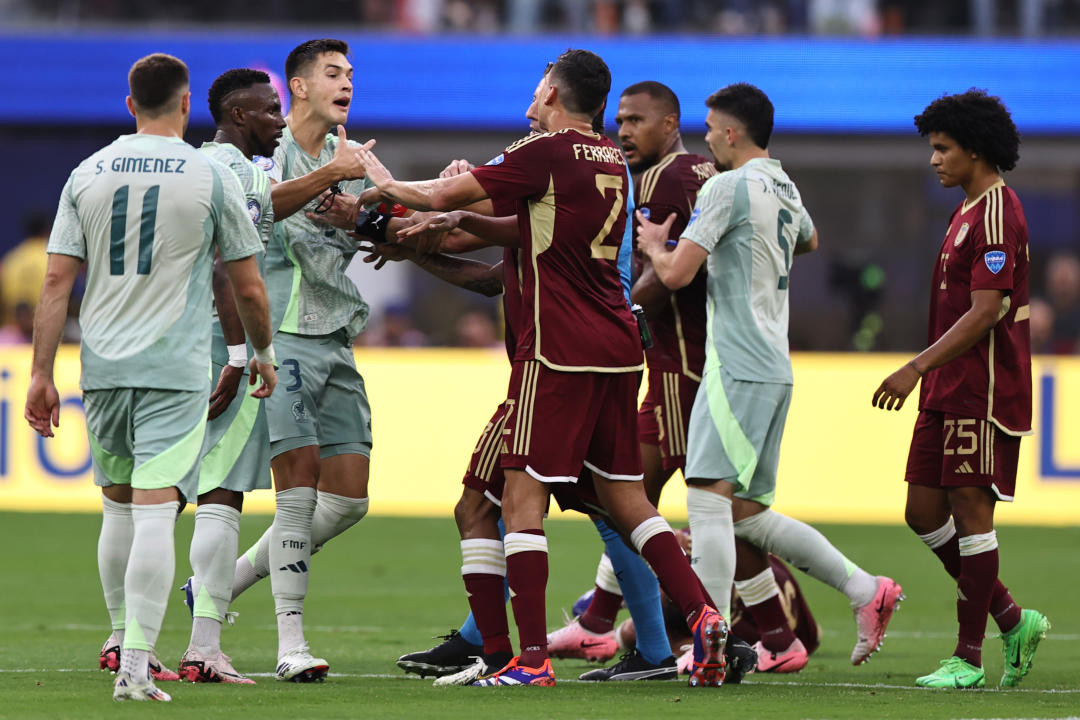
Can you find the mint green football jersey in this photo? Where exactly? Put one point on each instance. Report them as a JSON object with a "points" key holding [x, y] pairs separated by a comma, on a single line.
{"points": [[146, 213], [749, 220], [310, 294]]}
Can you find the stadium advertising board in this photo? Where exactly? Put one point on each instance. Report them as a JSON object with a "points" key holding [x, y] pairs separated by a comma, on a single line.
{"points": [[819, 85], [842, 460]]}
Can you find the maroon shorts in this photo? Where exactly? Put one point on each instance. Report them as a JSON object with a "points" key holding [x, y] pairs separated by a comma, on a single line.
{"points": [[665, 415], [485, 475], [560, 422], [951, 451]]}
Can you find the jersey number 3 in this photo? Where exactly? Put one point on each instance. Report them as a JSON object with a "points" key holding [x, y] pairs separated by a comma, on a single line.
{"points": [[118, 230]]}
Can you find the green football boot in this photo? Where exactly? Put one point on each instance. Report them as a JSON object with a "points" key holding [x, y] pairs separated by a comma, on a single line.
{"points": [[954, 673], [1019, 645]]}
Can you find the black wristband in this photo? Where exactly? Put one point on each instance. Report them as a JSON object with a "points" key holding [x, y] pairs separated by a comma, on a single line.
{"points": [[372, 225]]}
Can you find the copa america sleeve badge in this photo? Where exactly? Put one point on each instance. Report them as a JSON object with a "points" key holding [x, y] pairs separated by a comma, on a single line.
{"points": [[995, 260]]}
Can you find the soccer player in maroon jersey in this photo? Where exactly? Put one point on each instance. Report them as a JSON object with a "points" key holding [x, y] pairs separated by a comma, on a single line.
{"points": [[975, 401], [577, 356]]}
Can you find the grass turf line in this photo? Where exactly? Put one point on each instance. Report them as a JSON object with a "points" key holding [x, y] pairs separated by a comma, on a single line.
{"points": [[390, 584]]}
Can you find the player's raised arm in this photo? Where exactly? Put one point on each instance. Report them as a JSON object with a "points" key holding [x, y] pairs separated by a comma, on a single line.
{"points": [[441, 194], [291, 195]]}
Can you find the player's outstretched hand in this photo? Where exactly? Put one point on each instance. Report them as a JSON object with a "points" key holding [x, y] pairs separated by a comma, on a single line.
{"points": [[379, 176], [42, 406], [652, 237], [894, 389], [346, 162], [381, 253], [456, 167], [227, 385], [427, 236], [268, 374], [336, 209]]}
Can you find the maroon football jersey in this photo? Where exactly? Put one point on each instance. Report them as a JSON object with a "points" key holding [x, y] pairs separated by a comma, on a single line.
{"points": [[570, 188], [985, 248], [671, 186], [511, 299]]}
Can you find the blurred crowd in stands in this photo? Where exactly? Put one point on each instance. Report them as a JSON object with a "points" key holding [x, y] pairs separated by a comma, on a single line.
{"points": [[1030, 18]]}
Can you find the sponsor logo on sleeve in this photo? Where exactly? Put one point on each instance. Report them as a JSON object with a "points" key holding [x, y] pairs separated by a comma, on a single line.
{"points": [[255, 211], [497, 160], [995, 260], [693, 216], [266, 164], [645, 212], [961, 235]]}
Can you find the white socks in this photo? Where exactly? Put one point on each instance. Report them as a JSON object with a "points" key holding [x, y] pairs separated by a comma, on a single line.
{"points": [[148, 581], [290, 559], [334, 514], [713, 555], [114, 548], [213, 553], [808, 550], [605, 576]]}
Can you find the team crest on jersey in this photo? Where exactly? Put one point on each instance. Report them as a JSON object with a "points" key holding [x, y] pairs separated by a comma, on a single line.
{"points": [[255, 211], [497, 160], [693, 217], [995, 260], [266, 164], [961, 235], [299, 411]]}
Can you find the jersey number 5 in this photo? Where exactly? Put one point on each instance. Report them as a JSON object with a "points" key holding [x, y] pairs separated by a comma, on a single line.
{"points": [[118, 230], [599, 250]]}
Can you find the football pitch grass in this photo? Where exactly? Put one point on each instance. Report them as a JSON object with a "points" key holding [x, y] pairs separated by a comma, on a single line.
{"points": [[390, 584]]}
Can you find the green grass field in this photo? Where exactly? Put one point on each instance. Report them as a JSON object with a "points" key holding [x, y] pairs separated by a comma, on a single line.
{"points": [[391, 584]]}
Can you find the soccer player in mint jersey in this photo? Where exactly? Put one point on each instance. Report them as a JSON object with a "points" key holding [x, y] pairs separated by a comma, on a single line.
{"points": [[235, 456], [577, 355], [319, 422], [975, 400], [748, 223], [146, 214]]}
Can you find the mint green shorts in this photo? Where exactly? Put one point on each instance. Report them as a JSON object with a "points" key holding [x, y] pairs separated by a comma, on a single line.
{"points": [[149, 439], [236, 449], [320, 397], [735, 432]]}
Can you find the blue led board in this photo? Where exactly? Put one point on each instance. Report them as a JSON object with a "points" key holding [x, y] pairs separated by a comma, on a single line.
{"points": [[470, 82]]}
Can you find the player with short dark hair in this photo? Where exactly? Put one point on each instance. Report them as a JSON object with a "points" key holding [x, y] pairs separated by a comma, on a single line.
{"points": [[235, 456], [975, 401], [749, 222], [320, 422], [576, 357], [146, 214]]}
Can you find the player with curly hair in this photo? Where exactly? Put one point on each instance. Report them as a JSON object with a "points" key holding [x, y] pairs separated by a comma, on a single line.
{"points": [[975, 401]]}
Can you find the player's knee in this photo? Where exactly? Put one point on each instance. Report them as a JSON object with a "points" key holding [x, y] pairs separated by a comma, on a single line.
{"points": [[476, 516], [757, 529]]}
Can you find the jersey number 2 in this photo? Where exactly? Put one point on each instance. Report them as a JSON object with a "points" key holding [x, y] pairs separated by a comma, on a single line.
{"points": [[600, 251], [118, 230]]}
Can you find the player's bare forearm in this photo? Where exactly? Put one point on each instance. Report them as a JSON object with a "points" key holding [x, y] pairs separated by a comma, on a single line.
{"points": [[289, 196], [984, 313], [676, 268], [225, 304], [439, 194], [252, 304], [649, 292], [478, 277], [501, 231], [972, 326], [51, 313]]}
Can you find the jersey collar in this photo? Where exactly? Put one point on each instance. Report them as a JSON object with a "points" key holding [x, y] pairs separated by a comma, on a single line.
{"points": [[968, 205]]}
